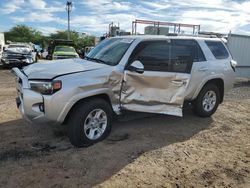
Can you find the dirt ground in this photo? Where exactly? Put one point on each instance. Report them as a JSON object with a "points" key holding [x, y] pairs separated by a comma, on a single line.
{"points": [[142, 151]]}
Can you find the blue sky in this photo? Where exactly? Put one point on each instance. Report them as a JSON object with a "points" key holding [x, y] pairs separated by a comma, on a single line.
{"points": [[93, 16]]}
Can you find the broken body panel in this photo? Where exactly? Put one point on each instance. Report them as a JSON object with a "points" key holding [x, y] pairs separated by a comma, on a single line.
{"points": [[161, 92]]}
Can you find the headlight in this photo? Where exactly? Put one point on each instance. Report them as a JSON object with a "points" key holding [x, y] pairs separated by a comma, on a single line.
{"points": [[5, 55], [46, 88], [28, 60]]}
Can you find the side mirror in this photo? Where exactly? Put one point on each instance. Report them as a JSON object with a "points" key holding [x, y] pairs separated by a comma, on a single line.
{"points": [[136, 66]]}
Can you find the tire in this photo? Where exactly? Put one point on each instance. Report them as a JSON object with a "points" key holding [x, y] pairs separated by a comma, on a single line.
{"points": [[207, 107], [84, 129]]}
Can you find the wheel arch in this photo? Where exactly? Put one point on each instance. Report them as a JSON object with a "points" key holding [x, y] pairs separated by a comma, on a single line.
{"points": [[103, 96], [216, 81]]}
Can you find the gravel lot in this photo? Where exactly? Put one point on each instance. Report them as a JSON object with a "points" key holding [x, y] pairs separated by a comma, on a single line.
{"points": [[142, 151]]}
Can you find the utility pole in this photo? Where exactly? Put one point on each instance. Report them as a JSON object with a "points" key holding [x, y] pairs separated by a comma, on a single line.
{"points": [[69, 9]]}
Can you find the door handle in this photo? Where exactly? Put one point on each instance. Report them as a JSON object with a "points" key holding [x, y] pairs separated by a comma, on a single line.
{"points": [[178, 82], [203, 69]]}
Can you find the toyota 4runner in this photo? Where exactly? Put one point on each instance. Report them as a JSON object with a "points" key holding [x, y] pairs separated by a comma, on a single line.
{"points": [[154, 74]]}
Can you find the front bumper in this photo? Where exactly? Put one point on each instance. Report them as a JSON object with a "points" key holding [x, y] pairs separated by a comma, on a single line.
{"points": [[29, 103], [31, 106], [15, 62]]}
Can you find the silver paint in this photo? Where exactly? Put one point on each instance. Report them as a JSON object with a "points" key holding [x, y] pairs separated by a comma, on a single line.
{"points": [[155, 92]]}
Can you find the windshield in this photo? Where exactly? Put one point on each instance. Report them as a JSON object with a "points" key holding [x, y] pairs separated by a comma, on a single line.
{"points": [[110, 50], [18, 49], [64, 49]]}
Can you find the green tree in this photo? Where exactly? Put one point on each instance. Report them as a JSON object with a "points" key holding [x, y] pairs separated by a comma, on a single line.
{"points": [[22, 33], [79, 42]]}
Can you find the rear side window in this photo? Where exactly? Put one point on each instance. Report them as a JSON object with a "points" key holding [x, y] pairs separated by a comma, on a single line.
{"points": [[169, 56], [218, 49]]}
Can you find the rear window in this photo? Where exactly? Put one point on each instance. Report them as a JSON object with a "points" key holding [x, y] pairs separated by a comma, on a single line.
{"points": [[218, 49]]}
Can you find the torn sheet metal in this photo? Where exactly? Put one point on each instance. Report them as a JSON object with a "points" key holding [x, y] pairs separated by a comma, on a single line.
{"points": [[154, 92], [114, 83]]}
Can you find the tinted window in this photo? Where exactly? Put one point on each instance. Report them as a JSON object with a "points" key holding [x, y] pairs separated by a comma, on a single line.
{"points": [[169, 55], [218, 49]]}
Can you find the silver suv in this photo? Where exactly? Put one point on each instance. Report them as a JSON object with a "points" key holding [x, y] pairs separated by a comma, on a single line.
{"points": [[154, 74]]}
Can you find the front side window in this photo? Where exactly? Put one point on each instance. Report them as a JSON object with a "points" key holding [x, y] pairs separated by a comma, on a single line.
{"points": [[218, 49], [175, 55], [110, 51]]}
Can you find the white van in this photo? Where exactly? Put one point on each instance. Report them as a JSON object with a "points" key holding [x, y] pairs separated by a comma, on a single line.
{"points": [[1, 44]]}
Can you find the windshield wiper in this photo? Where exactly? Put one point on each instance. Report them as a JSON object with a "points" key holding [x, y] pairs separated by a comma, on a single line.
{"points": [[95, 59]]}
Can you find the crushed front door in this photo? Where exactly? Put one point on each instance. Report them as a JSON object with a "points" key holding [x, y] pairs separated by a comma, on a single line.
{"points": [[167, 71]]}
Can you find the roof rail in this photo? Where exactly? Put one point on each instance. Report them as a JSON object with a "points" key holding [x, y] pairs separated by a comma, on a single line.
{"points": [[193, 35]]}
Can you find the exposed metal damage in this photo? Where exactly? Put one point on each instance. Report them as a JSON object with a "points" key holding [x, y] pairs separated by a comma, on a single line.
{"points": [[154, 92]]}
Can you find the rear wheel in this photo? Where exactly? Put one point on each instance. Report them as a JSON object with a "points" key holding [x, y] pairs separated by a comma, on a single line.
{"points": [[90, 122], [207, 101]]}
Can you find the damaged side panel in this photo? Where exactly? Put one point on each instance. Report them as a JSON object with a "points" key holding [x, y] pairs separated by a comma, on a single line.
{"points": [[114, 84], [154, 92]]}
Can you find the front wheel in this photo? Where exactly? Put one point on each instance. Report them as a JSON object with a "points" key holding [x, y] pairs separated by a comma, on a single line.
{"points": [[90, 122], [207, 101]]}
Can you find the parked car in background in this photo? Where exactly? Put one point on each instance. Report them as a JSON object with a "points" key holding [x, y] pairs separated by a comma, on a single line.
{"points": [[17, 54], [34, 51], [2, 43], [44, 54], [155, 74], [64, 52], [38, 50], [87, 49], [84, 51]]}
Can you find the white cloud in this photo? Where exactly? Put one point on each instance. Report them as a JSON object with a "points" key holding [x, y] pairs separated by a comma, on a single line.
{"points": [[12, 6], [47, 30], [37, 4], [99, 24], [95, 15], [107, 6], [39, 17], [156, 5]]}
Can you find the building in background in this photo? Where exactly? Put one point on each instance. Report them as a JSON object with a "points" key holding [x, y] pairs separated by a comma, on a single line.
{"points": [[124, 33], [152, 30], [239, 46]]}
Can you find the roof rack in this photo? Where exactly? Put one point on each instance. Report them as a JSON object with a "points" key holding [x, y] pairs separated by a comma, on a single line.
{"points": [[176, 26]]}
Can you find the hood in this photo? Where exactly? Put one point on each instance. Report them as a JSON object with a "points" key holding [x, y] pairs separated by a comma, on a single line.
{"points": [[51, 69], [17, 51], [64, 53]]}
